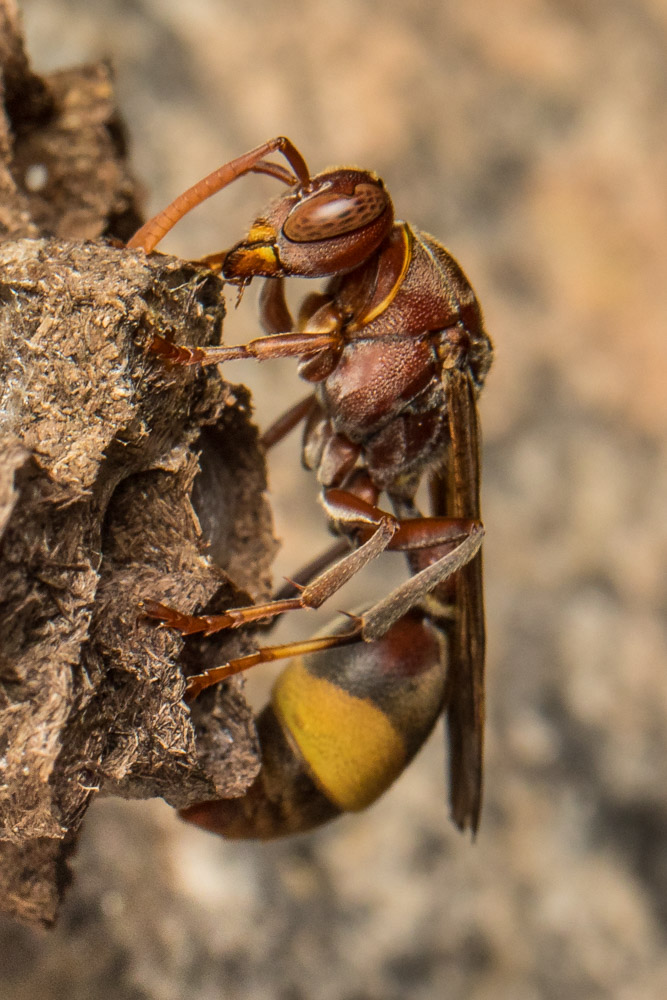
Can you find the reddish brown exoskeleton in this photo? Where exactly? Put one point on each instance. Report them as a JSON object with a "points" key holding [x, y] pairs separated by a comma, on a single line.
{"points": [[396, 352]]}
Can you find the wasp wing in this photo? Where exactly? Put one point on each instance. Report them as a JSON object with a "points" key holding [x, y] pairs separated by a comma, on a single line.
{"points": [[455, 492]]}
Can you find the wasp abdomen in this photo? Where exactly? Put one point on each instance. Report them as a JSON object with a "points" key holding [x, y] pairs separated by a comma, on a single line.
{"points": [[340, 727]]}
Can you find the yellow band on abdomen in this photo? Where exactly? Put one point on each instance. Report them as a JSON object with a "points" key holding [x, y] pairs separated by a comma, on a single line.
{"points": [[350, 746]]}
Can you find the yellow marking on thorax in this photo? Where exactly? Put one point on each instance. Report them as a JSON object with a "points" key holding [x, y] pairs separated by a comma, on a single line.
{"points": [[261, 234], [349, 745], [388, 299], [262, 254]]}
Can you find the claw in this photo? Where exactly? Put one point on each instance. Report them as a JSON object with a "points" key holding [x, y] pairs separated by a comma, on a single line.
{"points": [[185, 624], [194, 687], [158, 612], [175, 353], [197, 683]]}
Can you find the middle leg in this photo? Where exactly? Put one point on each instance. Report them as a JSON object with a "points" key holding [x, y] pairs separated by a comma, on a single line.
{"points": [[377, 530]]}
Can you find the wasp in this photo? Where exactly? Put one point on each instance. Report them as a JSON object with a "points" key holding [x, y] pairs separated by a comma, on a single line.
{"points": [[395, 353]]}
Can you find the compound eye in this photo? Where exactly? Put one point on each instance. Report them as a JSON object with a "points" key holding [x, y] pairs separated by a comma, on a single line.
{"points": [[332, 214]]}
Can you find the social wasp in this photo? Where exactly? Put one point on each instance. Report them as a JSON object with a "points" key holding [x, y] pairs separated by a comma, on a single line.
{"points": [[395, 351]]}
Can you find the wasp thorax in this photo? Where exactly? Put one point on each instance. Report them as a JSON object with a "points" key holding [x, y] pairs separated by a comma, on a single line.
{"points": [[332, 213]]}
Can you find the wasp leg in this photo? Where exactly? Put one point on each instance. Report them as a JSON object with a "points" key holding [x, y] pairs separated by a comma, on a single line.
{"points": [[281, 345], [267, 654], [281, 427], [274, 314], [382, 616], [383, 531], [317, 339], [311, 596], [275, 318], [298, 580]]}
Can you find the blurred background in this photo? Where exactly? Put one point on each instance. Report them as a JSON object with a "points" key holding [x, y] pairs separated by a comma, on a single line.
{"points": [[529, 137]]}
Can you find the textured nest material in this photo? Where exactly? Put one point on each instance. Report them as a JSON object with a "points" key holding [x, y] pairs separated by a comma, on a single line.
{"points": [[119, 480]]}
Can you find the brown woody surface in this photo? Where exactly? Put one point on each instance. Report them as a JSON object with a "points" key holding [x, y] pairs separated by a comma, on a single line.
{"points": [[98, 460]]}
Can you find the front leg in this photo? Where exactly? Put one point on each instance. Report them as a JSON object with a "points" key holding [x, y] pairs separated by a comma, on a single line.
{"points": [[317, 340], [282, 345]]}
